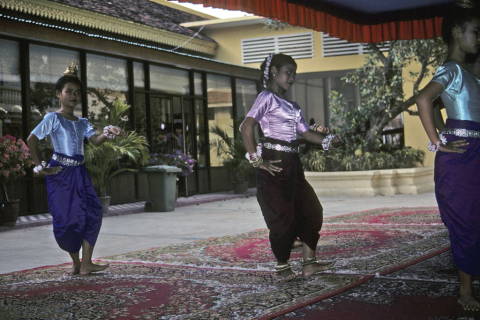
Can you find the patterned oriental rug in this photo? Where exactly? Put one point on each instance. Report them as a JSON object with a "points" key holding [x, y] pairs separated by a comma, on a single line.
{"points": [[229, 277], [427, 290]]}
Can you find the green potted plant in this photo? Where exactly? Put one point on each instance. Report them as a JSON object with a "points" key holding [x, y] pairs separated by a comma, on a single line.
{"points": [[14, 160], [102, 161], [233, 151]]}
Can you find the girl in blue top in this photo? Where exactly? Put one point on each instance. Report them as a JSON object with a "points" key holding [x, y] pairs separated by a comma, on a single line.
{"points": [[457, 162], [72, 201]]}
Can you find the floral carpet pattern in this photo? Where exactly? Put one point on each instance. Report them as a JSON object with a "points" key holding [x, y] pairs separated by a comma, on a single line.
{"points": [[425, 291], [357, 242], [151, 291], [391, 216], [228, 277]]}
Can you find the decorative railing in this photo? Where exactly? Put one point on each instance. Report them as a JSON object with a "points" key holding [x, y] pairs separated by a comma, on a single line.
{"points": [[11, 96]]}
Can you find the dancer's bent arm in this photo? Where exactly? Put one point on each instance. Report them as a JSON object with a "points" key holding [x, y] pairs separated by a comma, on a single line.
{"points": [[248, 135], [32, 142], [425, 109]]}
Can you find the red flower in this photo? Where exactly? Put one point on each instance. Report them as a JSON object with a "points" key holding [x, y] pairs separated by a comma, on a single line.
{"points": [[14, 159]]}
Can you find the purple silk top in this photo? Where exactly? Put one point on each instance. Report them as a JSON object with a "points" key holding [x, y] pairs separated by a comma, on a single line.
{"points": [[279, 118]]}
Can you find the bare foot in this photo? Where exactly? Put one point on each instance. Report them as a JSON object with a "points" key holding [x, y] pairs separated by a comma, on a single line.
{"points": [[468, 302], [285, 273], [91, 267], [313, 268], [75, 269], [297, 244]]}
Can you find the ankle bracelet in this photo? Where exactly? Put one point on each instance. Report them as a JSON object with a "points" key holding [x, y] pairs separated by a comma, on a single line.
{"points": [[282, 267], [309, 261]]}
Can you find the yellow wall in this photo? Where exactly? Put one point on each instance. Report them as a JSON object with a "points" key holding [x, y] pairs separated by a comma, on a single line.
{"points": [[230, 48], [415, 135]]}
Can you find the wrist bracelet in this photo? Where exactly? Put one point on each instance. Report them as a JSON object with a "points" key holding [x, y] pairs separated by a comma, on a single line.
{"points": [[327, 142], [257, 162], [40, 167], [435, 147], [106, 132], [255, 155]]}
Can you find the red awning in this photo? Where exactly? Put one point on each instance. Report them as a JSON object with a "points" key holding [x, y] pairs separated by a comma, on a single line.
{"points": [[401, 24]]}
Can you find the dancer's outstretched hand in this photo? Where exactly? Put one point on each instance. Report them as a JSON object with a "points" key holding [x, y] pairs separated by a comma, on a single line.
{"points": [[48, 171], [117, 131], [320, 129], [338, 141], [268, 165]]}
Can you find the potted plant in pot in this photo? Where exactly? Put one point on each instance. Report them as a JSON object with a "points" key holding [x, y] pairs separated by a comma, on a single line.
{"points": [[233, 151], [103, 162], [14, 159]]}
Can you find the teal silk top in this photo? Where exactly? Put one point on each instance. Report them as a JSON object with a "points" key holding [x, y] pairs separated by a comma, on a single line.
{"points": [[67, 135], [461, 95]]}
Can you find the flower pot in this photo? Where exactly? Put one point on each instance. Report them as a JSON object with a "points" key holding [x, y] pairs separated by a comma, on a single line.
{"points": [[105, 201], [240, 187], [9, 212]]}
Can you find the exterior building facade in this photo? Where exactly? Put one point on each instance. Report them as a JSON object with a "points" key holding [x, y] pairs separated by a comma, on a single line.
{"points": [[164, 71], [173, 66], [322, 62]]}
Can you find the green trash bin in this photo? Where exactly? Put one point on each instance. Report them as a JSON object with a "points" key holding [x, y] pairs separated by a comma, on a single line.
{"points": [[162, 181]]}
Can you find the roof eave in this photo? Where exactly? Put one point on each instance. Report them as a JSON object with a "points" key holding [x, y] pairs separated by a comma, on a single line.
{"points": [[225, 23], [93, 20]]}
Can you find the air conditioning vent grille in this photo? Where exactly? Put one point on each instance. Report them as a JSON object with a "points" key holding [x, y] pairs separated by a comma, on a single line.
{"points": [[299, 46], [332, 46]]}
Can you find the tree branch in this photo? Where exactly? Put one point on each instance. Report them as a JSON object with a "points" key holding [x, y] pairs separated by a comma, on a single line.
{"points": [[420, 78], [404, 105], [379, 54], [101, 97]]}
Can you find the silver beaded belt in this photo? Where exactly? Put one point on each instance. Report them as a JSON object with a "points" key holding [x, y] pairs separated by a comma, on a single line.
{"points": [[67, 161], [279, 147], [464, 133]]}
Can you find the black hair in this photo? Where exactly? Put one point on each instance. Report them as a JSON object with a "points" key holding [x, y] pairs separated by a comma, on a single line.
{"points": [[457, 17], [177, 125], [471, 58], [62, 81], [279, 60]]}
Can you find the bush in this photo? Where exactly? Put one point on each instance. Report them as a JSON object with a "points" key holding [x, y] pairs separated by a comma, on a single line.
{"points": [[177, 159], [338, 160], [233, 151]]}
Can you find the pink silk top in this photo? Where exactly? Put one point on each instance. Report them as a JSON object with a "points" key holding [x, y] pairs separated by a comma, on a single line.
{"points": [[279, 118]]}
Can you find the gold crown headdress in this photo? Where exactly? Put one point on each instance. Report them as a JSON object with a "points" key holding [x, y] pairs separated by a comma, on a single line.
{"points": [[466, 4], [72, 70]]}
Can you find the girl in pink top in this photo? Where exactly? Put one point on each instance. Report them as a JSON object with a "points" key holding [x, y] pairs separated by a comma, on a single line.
{"points": [[289, 205]]}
